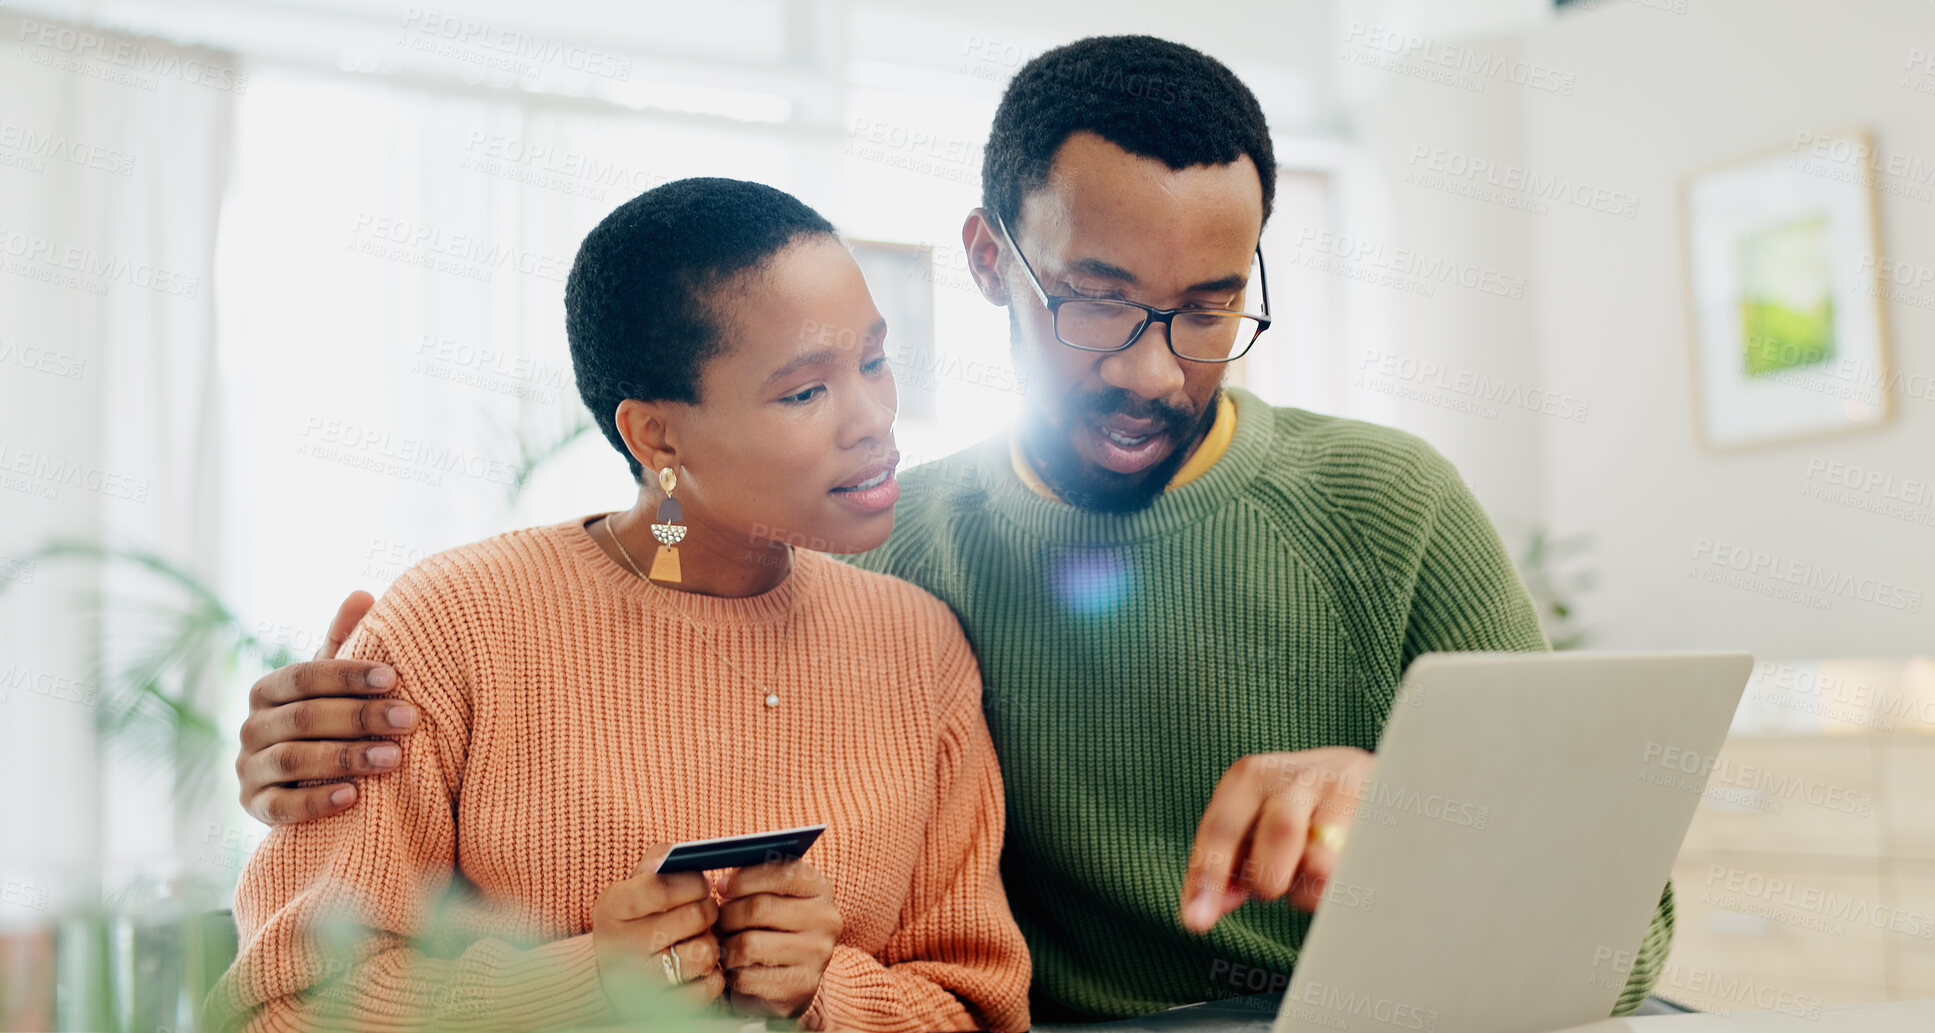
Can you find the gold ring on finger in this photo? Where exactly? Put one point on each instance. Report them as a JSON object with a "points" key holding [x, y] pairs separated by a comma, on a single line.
{"points": [[674, 969], [1329, 836]]}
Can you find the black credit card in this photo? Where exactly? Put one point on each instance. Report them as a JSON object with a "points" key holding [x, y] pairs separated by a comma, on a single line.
{"points": [[704, 855]]}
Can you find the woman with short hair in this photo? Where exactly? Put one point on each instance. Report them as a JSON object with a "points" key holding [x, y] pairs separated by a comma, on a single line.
{"points": [[596, 690]]}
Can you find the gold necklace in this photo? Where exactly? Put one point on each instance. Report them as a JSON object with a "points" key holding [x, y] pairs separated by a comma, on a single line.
{"points": [[772, 698]]}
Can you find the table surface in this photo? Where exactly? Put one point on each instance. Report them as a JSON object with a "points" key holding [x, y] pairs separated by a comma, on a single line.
{"points": [[1254, 1014]]}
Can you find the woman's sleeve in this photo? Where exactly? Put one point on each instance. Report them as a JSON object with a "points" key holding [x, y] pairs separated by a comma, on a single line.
{"points": [[334, 914], [958, 961]]}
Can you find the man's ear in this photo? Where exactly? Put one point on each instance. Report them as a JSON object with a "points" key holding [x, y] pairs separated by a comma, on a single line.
{"points": [[648, 430], [981, 242]]}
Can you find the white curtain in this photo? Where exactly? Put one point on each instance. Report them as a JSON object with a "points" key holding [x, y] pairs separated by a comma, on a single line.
{"points": [[392, 313], [387, 344], [114, 155]]}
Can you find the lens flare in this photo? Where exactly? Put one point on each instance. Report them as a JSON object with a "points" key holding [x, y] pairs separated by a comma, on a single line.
{"points": [[1093, 582]]}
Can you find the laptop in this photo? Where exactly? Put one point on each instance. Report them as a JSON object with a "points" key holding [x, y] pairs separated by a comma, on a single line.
{"points": [[1508, 855]]}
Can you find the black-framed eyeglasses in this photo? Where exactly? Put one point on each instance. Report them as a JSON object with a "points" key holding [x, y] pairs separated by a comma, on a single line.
{"points": [[1110, 325]]}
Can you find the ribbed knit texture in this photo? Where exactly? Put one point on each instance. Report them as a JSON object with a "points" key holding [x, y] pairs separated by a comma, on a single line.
{"points": [[1272, 604], [570, 717]]}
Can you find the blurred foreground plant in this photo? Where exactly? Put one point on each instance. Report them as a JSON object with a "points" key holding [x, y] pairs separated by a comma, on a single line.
{"points": [[423, 989], [140, 956], [1549, 565], [162, 654]]}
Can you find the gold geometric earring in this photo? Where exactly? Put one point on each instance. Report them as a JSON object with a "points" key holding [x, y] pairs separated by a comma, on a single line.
{"points": [[668, 531]]}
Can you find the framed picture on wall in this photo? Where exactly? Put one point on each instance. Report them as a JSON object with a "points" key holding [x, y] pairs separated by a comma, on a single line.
{"points": [[1783, 293]]}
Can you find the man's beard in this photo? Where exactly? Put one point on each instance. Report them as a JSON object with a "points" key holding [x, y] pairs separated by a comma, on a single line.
{"points": [[1083, 484]]}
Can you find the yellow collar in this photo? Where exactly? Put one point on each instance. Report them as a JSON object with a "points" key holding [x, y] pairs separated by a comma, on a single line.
{"points": [[1214, 444]]}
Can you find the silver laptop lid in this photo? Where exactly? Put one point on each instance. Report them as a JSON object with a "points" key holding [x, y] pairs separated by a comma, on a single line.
{"points": [[1507, 857]]}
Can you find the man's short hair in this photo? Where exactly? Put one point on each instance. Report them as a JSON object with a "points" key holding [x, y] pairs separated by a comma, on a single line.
{"points": [[1148, 96], [639, 307]]}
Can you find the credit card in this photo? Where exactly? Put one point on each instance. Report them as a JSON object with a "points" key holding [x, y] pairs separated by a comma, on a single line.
{"points": [[704, 855]]}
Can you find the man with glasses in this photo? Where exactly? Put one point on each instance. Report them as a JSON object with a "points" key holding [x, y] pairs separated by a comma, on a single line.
{"points": [[1107, 325], [1192, 610]]}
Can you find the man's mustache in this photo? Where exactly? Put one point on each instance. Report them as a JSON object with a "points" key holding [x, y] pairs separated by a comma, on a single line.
{"points": [[1117, 402]]}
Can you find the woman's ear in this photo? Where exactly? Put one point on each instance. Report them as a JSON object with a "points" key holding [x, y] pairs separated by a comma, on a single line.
{"points": [[982, 245], [647, 428]]}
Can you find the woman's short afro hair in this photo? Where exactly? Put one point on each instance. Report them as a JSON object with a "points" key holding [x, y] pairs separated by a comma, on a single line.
{"points": [[639, 307]]}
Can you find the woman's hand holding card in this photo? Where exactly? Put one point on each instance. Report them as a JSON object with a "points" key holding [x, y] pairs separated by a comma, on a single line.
{"points": [[777, 929], [653, 931]]}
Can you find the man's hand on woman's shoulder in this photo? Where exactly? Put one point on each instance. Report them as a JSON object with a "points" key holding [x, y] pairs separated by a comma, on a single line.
{"points": [[317, 720]]}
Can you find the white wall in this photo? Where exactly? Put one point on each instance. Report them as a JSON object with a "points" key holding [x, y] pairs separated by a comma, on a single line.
{"points": [[1660, 95], [1654, 95], [1437, 286], [1598, 328]]}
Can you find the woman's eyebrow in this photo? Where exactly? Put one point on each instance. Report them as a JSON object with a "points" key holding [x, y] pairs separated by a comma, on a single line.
{"points": [[823, 355], [800, 362]]}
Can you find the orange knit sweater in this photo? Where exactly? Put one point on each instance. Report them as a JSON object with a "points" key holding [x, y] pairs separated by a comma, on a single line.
{"points": [[570, 717]]}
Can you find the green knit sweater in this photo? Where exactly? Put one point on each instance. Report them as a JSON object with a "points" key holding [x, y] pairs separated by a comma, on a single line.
{"points": [[1271, 604]]}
